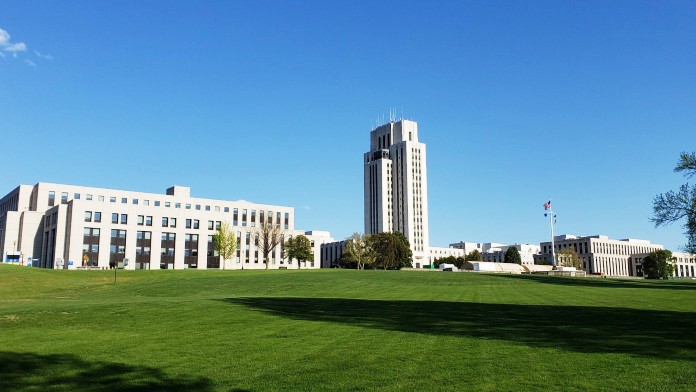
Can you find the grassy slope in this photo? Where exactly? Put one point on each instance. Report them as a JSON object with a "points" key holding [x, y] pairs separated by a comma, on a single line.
{"points": [[341, 330]]}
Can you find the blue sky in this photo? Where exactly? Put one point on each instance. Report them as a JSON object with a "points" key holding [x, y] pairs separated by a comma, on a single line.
{"points": [[587, 102]]}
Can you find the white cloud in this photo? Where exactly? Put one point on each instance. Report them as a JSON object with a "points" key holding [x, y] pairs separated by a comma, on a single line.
{"points": [[4, 37], [43, 56], [30, 63], [14, 48]]}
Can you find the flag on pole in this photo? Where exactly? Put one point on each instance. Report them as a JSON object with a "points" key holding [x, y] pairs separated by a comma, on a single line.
{"points": [[547, 205]]}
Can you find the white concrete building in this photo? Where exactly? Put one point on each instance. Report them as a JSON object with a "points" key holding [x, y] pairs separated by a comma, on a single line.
{"points": [[66, 226], [469, 247], [684, 264], [437, 253], [396, 191], [496, 254], [599, 254]]}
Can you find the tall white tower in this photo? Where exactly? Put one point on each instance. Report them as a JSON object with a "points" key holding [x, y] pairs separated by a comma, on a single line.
{"points": [[396, 186]]}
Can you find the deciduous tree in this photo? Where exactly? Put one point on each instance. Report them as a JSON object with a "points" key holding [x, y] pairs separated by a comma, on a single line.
{"points": [[512, 255], [474, 255], [673, 206], [300, 248], [225, 242], [658, 264], [269, 236], [392, 250], [358, 249], [567, 257]]}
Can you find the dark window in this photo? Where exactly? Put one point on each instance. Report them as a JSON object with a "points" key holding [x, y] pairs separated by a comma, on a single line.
{"points": [[172, 222], [124, 200], [168, 250], [235, 216], [97, 216], [112, 199], [64, 197], [191, 251], [148, 220], [217, 225], [188, 223], [88, 216], [157, 203], [118, 246], [227, 209], [165, 222], [90, 247], [253, 218], [114, 218], [51, 198], [210, 225], [76, 196], [135, 201], [196, 224], [124, 219], [244, 218]]}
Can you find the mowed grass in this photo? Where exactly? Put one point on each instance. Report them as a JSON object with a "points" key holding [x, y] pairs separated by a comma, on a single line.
{"points": [[342, 330]]}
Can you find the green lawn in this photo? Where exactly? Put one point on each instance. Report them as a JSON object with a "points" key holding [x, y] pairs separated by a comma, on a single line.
{"points": [[342, 330]]}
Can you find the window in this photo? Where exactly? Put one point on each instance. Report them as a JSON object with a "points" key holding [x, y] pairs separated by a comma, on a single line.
{"points": [[287, 220], [165, 222], [124, 200], [188, 206], [177, 205], [157, 203], [227, 209], [97, 217], [64, 197], [101, 198], [188, 223], [146, 202], [207, 208], [198, 207], [141, 220], [167, 204], [172, 222], [253, 218], [112, 199], [244, 218], [88, 216], [210, 225], [51, 198], [114, 218], [196, 224], [135, 201], [88, 197], [148, 220], [124, 219], [235, 216], [76, 196], [217, 208], [217, 225]]}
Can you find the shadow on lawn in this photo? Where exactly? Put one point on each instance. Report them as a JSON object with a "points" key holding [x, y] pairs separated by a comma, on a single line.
{"points": [[606, 283], [657, 334], [34, 372]]}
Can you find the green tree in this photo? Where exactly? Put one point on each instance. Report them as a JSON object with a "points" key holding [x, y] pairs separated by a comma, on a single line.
{"points": [[392, 250], [658, 265], [268, 236], [225, 242], [300, 248], [512, 255], [568, 257], [474, 255], [673, 206], [359, 249]]}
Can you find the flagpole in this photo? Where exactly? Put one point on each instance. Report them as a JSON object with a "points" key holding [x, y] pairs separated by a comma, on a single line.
{"points": [[553, 243]]}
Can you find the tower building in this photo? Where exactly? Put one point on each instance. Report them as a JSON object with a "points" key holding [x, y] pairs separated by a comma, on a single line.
{"points": [[396, 186]]}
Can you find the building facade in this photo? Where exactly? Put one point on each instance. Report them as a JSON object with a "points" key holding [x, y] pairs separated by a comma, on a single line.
{"points": [[684, 264], [599, 254], [396, 192], [65, 226]]}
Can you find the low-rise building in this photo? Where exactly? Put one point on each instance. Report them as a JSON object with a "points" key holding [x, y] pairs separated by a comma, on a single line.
{"points": [[65, 226]]}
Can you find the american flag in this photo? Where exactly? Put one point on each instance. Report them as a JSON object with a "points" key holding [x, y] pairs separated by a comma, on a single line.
{"points": [[547, 205]]}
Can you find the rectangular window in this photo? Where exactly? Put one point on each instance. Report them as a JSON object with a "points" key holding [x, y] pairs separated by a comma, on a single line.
{"points": [[97, 217], [177, 205], [253, 218], [227, 209], [217, 208], [88, 197], [141, 220], [235, 216], [101, 198], [124, 219], [188, 223], [112, 199], [146, 202], [198, 207], [167, 204], [244, 217], [157, 203], [217, 225], [196, 224], [287, 220], [114, 218], [88, 216], [165, 222], [207, 208], [172, 222], [64, 197], [124, 200], [188, 206], [148, 220], [210, 225], [51, 198], [135, 201], [76, 196]]}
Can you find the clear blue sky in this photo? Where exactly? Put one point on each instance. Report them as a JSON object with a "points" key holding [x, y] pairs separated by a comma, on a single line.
{"points": [[587, 102]]}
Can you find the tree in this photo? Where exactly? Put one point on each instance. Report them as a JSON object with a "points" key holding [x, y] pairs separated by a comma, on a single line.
{"points": [[568, 257], [512, 255], [392, 250], [474, 255], [358, 249], [658, 265], [269, 236], [673, 206], [300, 248], [225, 242]]}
